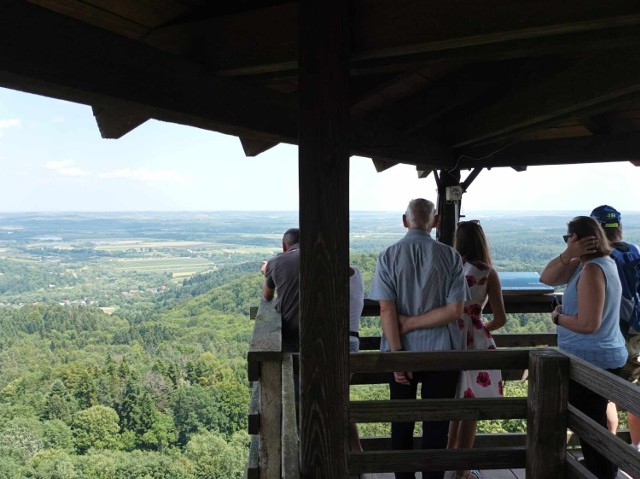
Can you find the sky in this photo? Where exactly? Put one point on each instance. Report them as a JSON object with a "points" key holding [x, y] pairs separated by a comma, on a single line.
{"points": [[52, 158]]}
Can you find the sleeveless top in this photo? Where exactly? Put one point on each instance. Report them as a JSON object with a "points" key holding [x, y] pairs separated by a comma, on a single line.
{"points": [[605, 346]]}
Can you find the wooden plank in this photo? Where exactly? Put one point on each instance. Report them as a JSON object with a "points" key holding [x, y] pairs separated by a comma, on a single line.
{"points": [[547, 413], [383, 378], [614, 388], [372, 343], [576, 470], [266, 341], [525, 340], [612, 82], [324, 38], [586, 149], [271, 419], [254, 409], [436, 459], [290, 443], [513, 303], [253, 464], [412, 410], [610, 446], [438, 360], [483, 440]]}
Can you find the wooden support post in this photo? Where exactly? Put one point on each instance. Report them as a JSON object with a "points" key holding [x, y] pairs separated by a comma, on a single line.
{"points": [[290, 443], [547, 413], [449, 211], [324, 228], [270, 419]]}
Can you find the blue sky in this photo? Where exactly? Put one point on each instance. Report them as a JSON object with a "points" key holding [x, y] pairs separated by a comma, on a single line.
{"points": [[52, 158]]}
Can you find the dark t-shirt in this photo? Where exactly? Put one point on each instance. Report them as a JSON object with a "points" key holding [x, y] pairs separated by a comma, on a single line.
{"points": [[283, 275]]}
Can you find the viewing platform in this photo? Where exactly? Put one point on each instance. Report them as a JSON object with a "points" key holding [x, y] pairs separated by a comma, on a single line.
{"points": [[548, 449]]}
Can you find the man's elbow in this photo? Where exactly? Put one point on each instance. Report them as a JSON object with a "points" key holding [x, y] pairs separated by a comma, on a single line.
{"points": [[267, 293]]}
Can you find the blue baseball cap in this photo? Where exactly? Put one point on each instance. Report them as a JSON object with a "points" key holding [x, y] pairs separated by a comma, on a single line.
{"points": [[607, 216]]}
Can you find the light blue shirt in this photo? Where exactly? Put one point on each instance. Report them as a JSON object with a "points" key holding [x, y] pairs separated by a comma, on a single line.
{"points": [[605, 346], [419, 274]]}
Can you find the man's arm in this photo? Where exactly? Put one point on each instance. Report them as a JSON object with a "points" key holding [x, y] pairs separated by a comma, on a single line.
{"points": [[268, 286], [267, 292], [389, 319], [436, 317]]}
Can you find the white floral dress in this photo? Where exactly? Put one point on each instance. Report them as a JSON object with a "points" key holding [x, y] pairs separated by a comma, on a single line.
{"points": [[477, 384]]}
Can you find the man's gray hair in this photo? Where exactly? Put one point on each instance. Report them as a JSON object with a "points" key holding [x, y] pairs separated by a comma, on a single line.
{"points": [[420, 213]]}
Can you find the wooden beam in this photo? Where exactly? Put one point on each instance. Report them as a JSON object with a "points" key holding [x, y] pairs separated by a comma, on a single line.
{"points": [[161, 86], [382, 165], [440, 29], [253, 147], [324, 38], [592, 85], [547, 413], [104, 67], [586, 149], [114, 123]]}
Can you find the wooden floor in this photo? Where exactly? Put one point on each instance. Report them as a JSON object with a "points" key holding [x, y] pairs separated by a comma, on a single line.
{"points": [[490, 474]]}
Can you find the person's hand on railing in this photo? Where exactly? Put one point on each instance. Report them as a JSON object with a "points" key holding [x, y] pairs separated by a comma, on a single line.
{"points": [[403, 377]]}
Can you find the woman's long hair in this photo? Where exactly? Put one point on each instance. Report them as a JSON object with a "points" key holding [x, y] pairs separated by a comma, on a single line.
{"points": [[583, 226], [471, 242]]}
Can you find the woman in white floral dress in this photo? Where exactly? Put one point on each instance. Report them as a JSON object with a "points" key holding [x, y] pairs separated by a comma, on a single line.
{"points": [[484, 285]]}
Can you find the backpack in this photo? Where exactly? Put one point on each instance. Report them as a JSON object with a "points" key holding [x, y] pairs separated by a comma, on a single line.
{"points": [[627, 258]]}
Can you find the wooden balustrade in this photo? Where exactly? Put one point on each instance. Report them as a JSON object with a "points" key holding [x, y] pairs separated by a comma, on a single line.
{"points": [[275, 448]]}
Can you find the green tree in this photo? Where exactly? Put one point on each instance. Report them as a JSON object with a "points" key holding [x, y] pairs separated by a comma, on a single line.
{"points": [[214, 458], [59, 403], [21, 438], [51, 464], [57, 435], [96, 427]]}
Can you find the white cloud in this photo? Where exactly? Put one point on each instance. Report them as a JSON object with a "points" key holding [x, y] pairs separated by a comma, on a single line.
{"points": [[65, 168], [8, 123], [145, 175], [57, 119]]}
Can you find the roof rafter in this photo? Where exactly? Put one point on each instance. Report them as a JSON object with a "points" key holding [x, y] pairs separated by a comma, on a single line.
{"points": [[40, 53], [586, 149], [500, 26], [589, 86]]}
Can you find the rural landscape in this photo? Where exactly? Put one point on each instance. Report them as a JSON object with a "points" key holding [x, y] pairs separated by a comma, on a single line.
{"points": [[123, 336]]}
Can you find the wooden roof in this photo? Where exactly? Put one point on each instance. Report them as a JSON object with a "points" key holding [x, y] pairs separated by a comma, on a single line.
{"points": [[442, 84]]}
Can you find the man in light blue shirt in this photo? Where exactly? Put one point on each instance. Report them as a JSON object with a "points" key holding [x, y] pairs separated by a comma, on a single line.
{"points": [[418, 276]]}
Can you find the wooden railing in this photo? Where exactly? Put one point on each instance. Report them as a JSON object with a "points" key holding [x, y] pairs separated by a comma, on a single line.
{"points": [[542, 451]]}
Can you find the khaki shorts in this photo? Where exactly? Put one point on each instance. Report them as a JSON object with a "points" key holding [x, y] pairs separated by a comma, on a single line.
{"points": [[631, 370]]}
